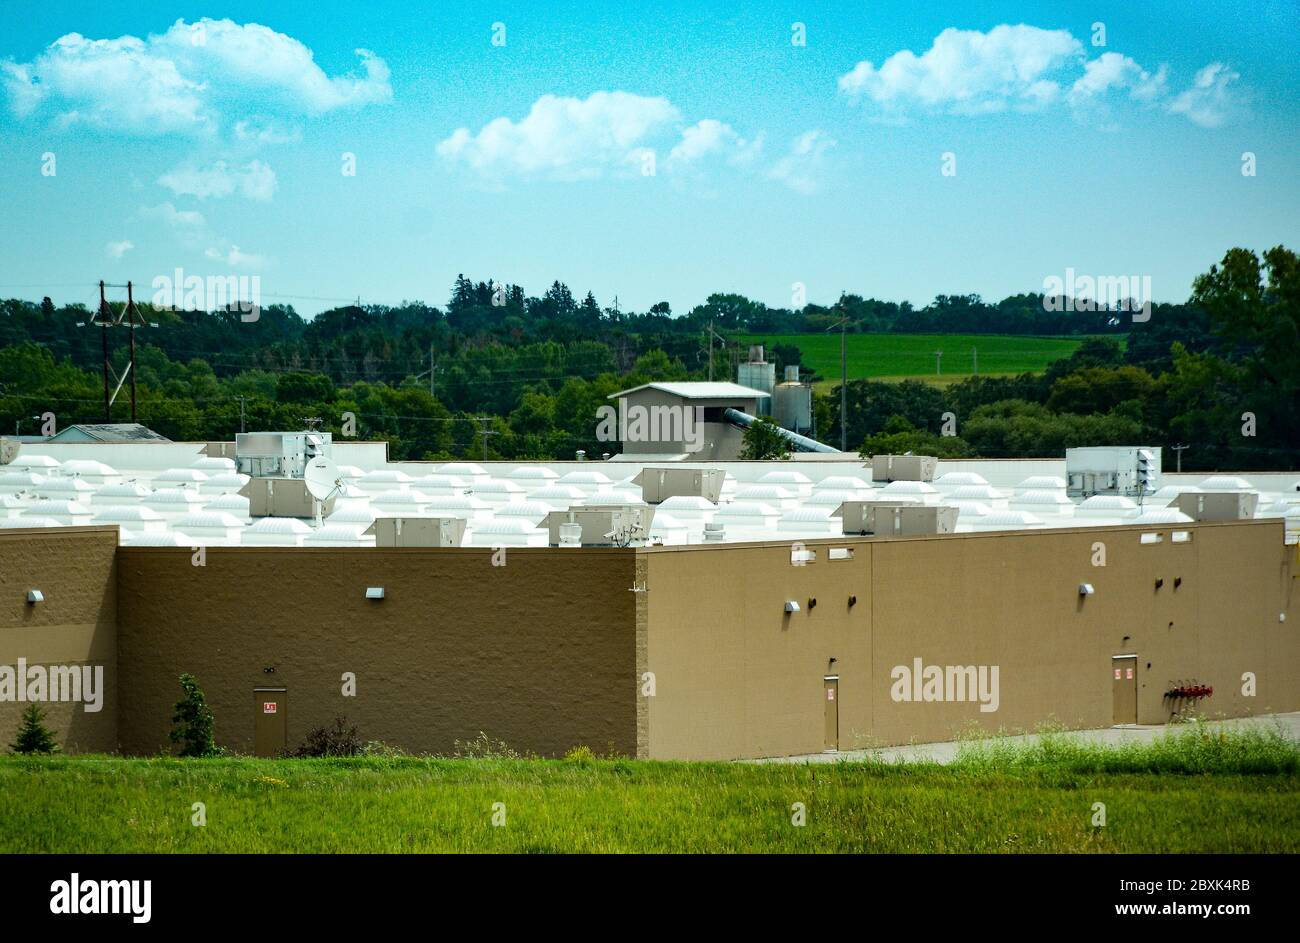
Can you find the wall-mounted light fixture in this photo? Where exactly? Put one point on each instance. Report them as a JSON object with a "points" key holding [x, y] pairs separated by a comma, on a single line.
{"points": [[812, 602], [1085, 589], [853, 600], [374, 592], [34, 596], [791, 606]]}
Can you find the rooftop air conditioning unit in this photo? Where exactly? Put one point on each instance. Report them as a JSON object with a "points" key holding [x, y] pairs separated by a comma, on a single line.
{"points": [[9, 450], [885, 519], [282, 497], [903, 467], [660, 484], [1125, 470], [610, 526], [1217, 505], [417, 531], [279, 454]]}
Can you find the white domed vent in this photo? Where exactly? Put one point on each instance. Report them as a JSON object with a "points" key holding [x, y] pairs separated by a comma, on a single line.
{"points": [[508, 532], [92, 471], [180, 476], [73, 489], [14, 481], [154, 539], [1042, 483], [462, 470], [43, 463], [131, 518], [339, 535], [530, 511], [213, 463], [119, 494], [1225, 483], [26, 521], [377, 481], [275, 532], [974, 493], [223, 483], [961, 479]]}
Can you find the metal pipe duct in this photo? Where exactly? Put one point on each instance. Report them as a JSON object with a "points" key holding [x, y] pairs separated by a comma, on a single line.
{"points": [[801, 443]]}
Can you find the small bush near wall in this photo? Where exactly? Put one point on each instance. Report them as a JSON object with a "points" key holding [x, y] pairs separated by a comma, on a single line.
{"points": [[339, 740]]}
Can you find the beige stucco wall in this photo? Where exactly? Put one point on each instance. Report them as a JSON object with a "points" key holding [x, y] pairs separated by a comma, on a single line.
{"points": [[538, 653], [74, 568], [737, 677]]}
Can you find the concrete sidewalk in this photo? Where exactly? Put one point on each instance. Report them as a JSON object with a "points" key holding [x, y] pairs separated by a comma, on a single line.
{"points": [[946, 752]]}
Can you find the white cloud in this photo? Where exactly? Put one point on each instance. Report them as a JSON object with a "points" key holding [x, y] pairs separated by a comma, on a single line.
{"points": [[1026, 68], [234, 257], [966, 71], [115, 250], [710, 137], [800, 169], [255, 181], [266, 132], [564, 138], [180, 81], [1211, 101], [173, 218]]}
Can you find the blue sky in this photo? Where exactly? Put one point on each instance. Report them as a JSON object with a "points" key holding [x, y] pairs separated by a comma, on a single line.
{"points": [[216, 145]]}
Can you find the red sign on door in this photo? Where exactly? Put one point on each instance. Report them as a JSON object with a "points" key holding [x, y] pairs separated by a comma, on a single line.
{"points": [[268, 707], [1128, 674], [830, 694], [1116, 674]]}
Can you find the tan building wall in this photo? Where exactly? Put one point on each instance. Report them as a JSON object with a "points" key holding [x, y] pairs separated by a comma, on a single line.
{"points": [[538, 653], [735, 676], [558, 649], [75, 626]]}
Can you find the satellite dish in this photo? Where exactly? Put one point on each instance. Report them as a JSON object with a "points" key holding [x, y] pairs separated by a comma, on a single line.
{"points": [[323, 478]]}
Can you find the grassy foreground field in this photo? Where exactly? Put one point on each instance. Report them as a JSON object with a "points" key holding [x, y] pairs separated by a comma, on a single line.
{"points": [[1205, 792], [911, 356]]}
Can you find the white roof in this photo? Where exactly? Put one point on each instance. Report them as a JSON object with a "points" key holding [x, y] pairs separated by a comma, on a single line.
{"points": [[693, 390]]}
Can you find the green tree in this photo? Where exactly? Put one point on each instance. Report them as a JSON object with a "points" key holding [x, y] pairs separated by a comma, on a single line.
{"points": [[193, 720], [33, 735], [763, 441]]}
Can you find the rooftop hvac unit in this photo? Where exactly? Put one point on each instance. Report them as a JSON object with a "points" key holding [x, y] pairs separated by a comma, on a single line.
{"points": [[610, 526], [1217, 506], [282, 497], [903, 467], [279, 454], [714, 533], [219, 450], [417, 531], [660, 484], [1125, 470], [8, 450], [571, 535], [884, 519]]}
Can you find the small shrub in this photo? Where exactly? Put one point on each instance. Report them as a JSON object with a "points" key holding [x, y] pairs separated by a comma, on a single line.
{"points": [[193, 720], [33, 735], [338, 740], [581, 755]]}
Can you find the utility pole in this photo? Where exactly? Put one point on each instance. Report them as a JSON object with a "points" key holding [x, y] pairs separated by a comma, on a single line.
{"points": [[130, 315], [1178, 451], [433, 368], [241, 411], [486, 431], [710, 351], [104, 322], [843, 324], [938, 362]]}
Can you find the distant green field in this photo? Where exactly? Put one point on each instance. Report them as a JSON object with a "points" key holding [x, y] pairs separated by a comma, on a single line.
{"points": [[912, 356]]}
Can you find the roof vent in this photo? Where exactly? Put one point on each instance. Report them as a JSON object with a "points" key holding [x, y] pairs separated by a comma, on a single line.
{"points": [[714, 533]]}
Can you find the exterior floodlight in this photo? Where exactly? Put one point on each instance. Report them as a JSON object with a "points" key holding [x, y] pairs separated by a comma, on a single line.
{"points": [[791, 606], [374, 592], [1085, 589], [34, 596]]}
